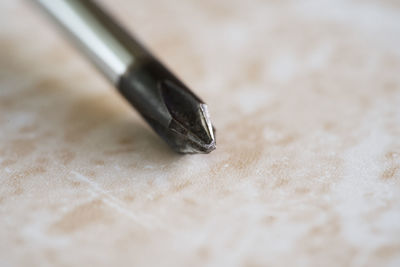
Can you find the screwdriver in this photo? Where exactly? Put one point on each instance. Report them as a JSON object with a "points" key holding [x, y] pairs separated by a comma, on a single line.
{"points": [[175, 113]]}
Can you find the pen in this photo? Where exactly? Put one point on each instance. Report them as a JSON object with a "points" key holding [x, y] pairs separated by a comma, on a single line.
{"points": [[175, 113]]}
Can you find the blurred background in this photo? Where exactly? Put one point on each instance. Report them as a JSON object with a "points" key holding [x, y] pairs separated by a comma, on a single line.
{"points": [[305, 96]]}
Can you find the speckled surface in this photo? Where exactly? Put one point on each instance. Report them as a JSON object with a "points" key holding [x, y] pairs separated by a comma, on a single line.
{"points": [[306, 99]]}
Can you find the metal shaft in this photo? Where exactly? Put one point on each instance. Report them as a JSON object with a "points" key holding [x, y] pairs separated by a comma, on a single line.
{"points": [[107, 45]]}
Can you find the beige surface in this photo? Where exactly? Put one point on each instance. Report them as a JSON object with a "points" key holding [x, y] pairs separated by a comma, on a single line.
{"points": [[306, 99]]}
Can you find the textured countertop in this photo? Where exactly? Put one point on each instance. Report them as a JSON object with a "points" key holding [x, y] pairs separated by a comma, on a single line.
{"points": [[305, 96]]}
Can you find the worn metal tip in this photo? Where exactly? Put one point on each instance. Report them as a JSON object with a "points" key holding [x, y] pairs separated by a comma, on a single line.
{"points": [[190, 120], [172, 110]]}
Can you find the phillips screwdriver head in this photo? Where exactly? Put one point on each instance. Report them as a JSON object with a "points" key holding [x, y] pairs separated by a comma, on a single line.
{"points": [[170, 108]]}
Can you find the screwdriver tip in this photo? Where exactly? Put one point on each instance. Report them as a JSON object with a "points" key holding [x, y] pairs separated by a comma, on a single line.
{"points": [[171, 109], [197, 138], [190, 120]]}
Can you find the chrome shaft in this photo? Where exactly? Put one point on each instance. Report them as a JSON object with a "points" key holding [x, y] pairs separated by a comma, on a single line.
{"points": [[95, 33]]}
